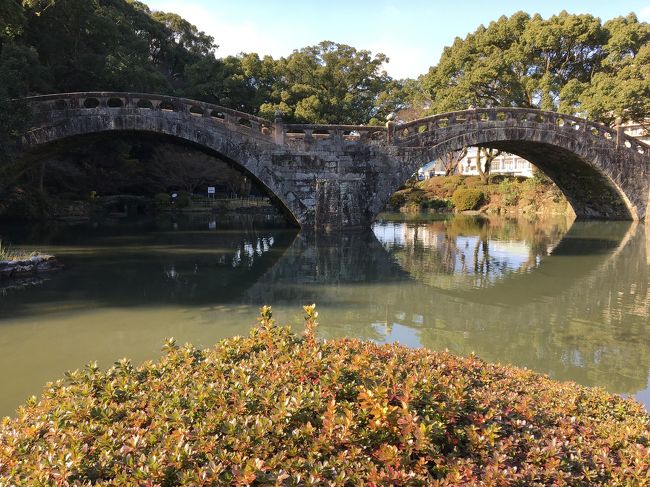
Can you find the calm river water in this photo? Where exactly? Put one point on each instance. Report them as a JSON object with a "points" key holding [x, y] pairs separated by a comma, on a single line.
{"points": [[568, 300]]}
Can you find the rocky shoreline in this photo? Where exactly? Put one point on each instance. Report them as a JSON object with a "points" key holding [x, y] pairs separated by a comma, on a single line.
{"points": [[37, 264]]}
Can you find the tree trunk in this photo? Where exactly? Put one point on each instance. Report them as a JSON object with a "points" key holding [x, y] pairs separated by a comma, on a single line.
{"points": [[451, 159], [483, 173], [490, 155], [41, 177]]}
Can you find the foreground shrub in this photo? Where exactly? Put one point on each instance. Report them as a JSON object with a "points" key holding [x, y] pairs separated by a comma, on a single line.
{"points": [[276, 408], [467, 199]]}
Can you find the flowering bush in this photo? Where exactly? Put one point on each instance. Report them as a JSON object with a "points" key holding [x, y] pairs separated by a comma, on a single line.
{"points": [[280, 409]]}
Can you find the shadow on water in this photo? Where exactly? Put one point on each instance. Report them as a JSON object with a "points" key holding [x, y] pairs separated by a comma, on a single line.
{"points": [[572, 301], [154, 262]]}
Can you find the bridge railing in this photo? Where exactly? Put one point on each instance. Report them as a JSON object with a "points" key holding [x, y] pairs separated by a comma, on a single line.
{"points": [[338, 134], [404, 133], [47, 105], [393, 134]]}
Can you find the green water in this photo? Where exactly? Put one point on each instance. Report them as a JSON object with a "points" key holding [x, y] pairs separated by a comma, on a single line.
{"points": [[569, 300]]}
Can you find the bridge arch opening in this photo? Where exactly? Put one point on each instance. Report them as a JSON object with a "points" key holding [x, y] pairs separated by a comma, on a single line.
{"points": [[230, 178], [588, 183], [589, 191]]}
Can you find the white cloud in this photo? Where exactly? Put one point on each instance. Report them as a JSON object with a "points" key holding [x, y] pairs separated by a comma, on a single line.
{"points": [[231, 37], [644, 14]]}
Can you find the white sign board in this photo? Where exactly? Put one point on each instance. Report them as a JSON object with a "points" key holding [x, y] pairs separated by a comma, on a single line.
{"points": [[211, 190]]}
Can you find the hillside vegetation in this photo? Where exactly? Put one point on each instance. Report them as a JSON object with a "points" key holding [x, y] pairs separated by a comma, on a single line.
{"points": [[504, 194]]}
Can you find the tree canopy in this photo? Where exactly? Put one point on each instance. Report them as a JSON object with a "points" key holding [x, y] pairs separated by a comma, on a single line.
{"points": [[568, 63], [572, 63]]}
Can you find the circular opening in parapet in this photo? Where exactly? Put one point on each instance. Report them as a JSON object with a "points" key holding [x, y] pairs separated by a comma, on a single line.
{"points": [[196, 110], [144, 103], [91, 103], [115, 103], [167, 106]]}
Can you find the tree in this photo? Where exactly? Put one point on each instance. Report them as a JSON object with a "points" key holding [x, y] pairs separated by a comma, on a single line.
{"points": [[485, 167], [241, 82], [113, 45], [20, 74], [622, 87], [520, 61], [450, 160], [180, 45], [176, 167], [11, 19], [488, 68], [566, 50], [415, 101], [328, 83]]}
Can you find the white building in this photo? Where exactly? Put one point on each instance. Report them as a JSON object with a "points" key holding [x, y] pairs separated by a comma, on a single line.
{"points": [[505, 163]]}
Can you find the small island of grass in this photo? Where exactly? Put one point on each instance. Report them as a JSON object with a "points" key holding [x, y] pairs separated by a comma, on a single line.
{"points": [[275, 408], [19, 263]]}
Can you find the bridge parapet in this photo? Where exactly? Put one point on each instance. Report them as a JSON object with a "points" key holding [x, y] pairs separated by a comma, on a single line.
{"points": [[409, 133], [59, 105], [308, 134], [402, 134]]}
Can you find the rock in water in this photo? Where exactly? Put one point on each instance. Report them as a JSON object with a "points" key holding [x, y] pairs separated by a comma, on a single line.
{"points": [[36, 264]]}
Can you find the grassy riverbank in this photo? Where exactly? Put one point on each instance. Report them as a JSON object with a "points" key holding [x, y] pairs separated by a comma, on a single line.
{"points": [[9, 254], [278, 408], [503, 195]]}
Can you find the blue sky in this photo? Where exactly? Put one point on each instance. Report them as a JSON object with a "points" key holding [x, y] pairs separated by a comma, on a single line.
{"points": [[412, 33]]}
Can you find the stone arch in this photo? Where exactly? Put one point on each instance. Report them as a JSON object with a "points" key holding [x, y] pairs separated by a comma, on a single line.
{"points": [[246, 151], [599, 179]]}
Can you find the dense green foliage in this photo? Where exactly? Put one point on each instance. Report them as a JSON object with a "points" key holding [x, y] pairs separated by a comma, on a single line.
{"points": [[276, 408], [571, 63], [119, 45], [467, 199]]}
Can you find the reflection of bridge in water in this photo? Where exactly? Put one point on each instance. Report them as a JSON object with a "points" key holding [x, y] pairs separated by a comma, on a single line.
{"points": [[173, 263], [581, 313]]}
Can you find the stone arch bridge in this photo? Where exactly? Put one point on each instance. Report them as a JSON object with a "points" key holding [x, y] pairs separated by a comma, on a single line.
{"points": [[335, 176]]}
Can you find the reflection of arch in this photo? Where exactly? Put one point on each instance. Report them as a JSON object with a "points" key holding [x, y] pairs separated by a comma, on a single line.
{"points": [[206, 265], [360, 257], [599, 178], [240, 143], [470, 252], [543, 280], [552, 334]]}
